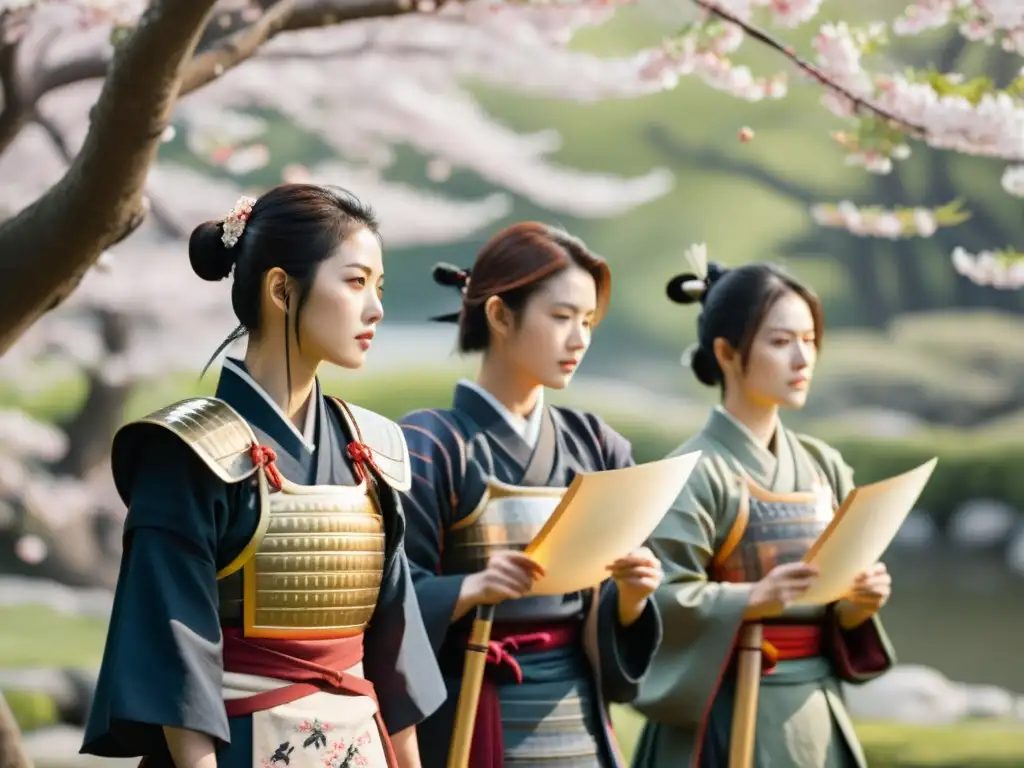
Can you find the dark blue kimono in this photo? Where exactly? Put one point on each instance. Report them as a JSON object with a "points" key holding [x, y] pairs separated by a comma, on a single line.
{"points": [[162, 664], [453, 453]]}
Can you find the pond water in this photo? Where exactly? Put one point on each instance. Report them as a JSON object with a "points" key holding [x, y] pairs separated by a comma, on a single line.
{"points": [[960, 612]]}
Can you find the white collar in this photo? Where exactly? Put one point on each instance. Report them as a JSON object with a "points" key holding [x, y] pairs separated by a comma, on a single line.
{"points": [[308, 434], [528, 428]]}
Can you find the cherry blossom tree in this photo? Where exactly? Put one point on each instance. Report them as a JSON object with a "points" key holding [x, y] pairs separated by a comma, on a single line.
{"points": [[138, 315], [128, 63], [363, 78], [148, 60], [93, 88], [884, 111]]}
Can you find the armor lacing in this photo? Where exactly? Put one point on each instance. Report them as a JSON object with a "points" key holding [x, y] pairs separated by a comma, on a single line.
{"points": [[264, 456]]}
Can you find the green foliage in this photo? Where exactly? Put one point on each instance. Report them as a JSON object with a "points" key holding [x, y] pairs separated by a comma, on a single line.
{"points": [[967, 469], [873, 135], [1007, 256], [972, 744], [747, 201], [1016, 87], [61, 640], [948, 215], [34, 635], [972, 464], [32, 709], [943, 368], [945, 84]]}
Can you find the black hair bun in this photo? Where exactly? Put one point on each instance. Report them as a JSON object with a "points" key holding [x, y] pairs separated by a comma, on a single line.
{"points": [[705, 367], [676, 292], [209, 257], [450, 276], [715, 273]]}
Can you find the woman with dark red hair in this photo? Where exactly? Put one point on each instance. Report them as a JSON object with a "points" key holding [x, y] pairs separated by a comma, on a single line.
{"points": [[487, 474]]}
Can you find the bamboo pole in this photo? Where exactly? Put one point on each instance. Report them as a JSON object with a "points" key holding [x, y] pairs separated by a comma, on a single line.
{"points": [[469, 694], [748, 686]]}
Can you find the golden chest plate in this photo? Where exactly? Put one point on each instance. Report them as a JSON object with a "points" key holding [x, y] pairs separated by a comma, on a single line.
{"points": [[507, 517], [314, 567]]}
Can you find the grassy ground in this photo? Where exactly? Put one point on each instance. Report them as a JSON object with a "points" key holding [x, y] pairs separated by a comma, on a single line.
{"points": [[887, 745], [38, 636]]}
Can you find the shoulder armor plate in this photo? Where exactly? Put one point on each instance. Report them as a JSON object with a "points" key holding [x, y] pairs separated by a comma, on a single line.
{"points": [[385, 440], [211, 428]]}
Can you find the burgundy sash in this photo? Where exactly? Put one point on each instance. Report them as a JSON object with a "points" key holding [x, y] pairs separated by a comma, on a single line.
{"points": [[488, 750]]}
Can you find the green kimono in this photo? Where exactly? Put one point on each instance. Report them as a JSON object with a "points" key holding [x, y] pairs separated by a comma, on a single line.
{"points": [[744, 510]]}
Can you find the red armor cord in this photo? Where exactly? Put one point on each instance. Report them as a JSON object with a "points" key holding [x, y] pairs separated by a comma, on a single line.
{"points": [[262, 456], [361, 456]]}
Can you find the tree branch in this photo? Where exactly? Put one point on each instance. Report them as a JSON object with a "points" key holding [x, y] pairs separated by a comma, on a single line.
{"points": [[322, 13], [232, 32], [42, 257], [859, 104], [14, 115], [232, 50], [152, 207]]}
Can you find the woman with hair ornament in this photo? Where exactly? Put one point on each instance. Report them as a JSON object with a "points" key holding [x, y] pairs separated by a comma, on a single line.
{"points": [[487, 473], [264, 615], [733, 542]]}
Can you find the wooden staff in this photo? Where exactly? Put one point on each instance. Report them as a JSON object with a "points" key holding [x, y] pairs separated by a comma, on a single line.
{"points": [[472, 681], [748, 686]]}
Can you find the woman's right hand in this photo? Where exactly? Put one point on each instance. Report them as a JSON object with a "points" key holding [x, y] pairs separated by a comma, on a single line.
{"points": [[782, 585], [508, 575]]}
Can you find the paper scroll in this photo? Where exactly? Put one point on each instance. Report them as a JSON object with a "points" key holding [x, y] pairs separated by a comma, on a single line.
{"points": [[861, 531], [602, 517]]}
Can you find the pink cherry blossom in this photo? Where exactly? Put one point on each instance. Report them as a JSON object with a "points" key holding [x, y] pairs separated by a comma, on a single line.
{"points": [[364, 91], [880, 222], [1013, 180], [992, 268]]}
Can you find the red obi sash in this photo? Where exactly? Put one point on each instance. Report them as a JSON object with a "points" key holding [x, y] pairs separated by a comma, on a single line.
{"points": [[311, 665], [488, 750], [787, 642]]}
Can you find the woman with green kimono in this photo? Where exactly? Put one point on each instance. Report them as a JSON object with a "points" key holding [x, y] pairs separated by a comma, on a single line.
{"points": [[732, 545]]}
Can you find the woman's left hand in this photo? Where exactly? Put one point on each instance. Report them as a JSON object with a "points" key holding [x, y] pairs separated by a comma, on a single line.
{"points": [[636, 575], [870, 591]]}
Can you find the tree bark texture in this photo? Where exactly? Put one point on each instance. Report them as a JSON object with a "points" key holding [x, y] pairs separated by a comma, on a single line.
{"points": [[43, 257]]}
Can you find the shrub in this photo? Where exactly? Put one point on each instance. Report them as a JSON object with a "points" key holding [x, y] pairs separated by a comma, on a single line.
{"points": [[969, 467], [972, 464], [32, 709]]}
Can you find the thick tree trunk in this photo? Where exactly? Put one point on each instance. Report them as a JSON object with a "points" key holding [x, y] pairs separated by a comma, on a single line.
{"points": [[43, 256], [83, 552], [91, 430], [13, 116]]}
